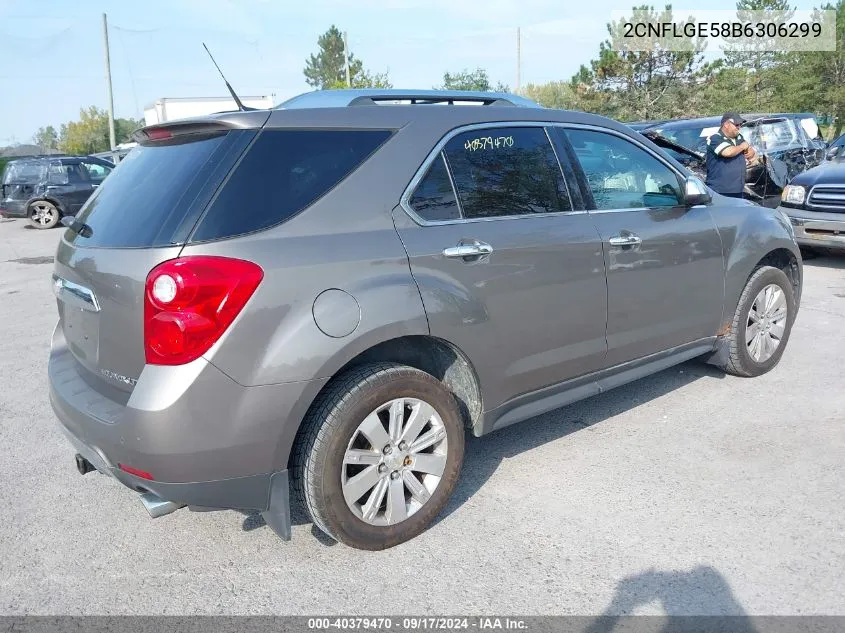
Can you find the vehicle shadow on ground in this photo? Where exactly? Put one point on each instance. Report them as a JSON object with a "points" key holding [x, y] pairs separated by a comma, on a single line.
{"points": [[685, 597], [813, 260], [483, 455]]}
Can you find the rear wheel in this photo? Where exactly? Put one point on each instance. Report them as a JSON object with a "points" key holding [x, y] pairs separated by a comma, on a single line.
{"points": [[43, 214], [762, 323], [379, 456]]}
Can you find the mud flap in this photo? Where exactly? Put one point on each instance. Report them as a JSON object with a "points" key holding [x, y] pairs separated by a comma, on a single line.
{"points": [[277, 515]]}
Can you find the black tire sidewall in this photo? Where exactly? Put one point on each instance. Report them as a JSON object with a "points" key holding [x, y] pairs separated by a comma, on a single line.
{"points": [[341, 521], [769, 276]]}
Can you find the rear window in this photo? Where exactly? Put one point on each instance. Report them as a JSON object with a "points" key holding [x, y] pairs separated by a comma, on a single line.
{"points": [[284, 172], [24, 173], [154, 195]]}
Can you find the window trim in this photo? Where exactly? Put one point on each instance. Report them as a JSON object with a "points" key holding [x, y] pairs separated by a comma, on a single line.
{"points": [[404, 200], [595, 128]]}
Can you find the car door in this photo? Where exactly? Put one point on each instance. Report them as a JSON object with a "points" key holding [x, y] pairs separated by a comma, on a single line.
{"points": [[665, 268], [69, 183], [508, 263]]}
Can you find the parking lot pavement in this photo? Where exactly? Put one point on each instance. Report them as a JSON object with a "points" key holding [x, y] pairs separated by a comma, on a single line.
{"points": [[687, 492]]}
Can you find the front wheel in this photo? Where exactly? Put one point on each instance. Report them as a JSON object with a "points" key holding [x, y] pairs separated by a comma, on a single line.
{"points": [[380, 455], [762, 323], [43, 214]]}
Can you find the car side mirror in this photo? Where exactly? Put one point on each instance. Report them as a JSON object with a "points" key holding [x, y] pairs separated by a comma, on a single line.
{"points": [[832, 153], [695, 192]]}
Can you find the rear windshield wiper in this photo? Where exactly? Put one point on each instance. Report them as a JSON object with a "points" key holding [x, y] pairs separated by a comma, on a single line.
{"points": [[77, 227]]}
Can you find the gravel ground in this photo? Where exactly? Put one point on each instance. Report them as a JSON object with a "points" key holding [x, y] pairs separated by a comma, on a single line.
{"points": [[687, 492]]}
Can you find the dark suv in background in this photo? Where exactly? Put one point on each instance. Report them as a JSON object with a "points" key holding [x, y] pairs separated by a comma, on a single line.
{"points": [[45, 188], [327, 296]]}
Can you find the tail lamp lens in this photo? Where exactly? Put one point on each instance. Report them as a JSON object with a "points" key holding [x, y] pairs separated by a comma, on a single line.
{"points": [[190, 302]]}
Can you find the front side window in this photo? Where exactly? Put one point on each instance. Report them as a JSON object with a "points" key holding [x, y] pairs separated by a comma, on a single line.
{"points": [[506, 171], [96, 172], [622, 175]]}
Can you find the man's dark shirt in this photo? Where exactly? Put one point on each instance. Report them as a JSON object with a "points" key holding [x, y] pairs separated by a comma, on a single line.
{"points": [[724, 175]]}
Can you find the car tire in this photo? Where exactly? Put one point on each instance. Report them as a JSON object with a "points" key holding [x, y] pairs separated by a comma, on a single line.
{"points": [[339, 455], [760, 330], [43, 214]]}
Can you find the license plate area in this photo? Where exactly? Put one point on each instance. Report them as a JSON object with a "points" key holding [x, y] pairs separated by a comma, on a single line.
{"points": [[80, 316]]}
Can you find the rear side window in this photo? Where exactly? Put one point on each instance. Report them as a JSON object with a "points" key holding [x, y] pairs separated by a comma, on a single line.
{"points": [[434, 198], [506, 171], [282, 173], [24, 173], [157, 189]]}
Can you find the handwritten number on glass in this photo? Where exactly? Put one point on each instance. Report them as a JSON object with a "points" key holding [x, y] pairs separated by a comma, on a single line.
{"points": [[488, 142]]}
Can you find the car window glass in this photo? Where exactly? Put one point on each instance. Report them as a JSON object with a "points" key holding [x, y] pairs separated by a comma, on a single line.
{"points": [[96, 172], [434, 198], [622, 175], [57, 174], [506, 171], [24, 173], [284, 172], [775, 135]]}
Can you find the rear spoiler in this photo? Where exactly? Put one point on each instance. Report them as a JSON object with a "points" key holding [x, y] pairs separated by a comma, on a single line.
{"points": [[212, 124]]}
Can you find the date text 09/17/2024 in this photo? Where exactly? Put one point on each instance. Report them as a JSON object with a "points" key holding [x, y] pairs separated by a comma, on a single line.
{"points": [[416, 623]]}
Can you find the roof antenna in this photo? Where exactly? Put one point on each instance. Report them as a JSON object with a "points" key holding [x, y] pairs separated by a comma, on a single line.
{"points": [[240, 105]]}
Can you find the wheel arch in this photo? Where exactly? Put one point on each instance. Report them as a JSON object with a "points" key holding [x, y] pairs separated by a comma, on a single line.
{"points": [[433, 355], [51, 199]]}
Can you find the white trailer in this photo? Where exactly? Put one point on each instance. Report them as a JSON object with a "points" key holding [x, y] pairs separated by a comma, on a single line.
{"points": [[172, 108]]}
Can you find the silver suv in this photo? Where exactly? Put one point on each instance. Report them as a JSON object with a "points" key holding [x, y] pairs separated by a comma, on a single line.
{"points": [[327, 296]]}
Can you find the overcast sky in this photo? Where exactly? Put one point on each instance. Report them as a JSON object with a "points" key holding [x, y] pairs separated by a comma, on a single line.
{"points": [[51, 51]]}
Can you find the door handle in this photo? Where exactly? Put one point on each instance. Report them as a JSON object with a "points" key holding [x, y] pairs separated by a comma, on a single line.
{"points": [[471, 249], [625, 240]]}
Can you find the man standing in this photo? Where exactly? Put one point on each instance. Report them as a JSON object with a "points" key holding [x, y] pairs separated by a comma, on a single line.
{"points": [[727, 153]]}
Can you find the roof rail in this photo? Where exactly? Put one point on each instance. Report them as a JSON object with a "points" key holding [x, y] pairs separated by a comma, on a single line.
{"points": [[373, 96]]}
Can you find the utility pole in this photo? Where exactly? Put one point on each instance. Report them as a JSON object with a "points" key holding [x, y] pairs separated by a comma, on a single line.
{"points": [[108, 81], [346, 59], [518, 58]]}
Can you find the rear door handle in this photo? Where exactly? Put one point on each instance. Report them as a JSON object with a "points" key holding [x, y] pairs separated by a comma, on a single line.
{"points": [[469, 249], [625, 240]]}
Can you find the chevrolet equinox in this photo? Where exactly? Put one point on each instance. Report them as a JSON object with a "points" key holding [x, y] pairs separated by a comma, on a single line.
{"points": [[323, 298]]}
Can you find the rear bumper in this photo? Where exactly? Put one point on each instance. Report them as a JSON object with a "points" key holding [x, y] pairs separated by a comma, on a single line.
{"points": [[206, 440], [815, 228], [12, 209]]}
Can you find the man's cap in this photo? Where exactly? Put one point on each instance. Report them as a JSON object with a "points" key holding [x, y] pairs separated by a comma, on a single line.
{"points": [[733, 117]]}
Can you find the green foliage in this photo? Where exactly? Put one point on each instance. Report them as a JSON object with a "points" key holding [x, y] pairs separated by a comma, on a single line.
{"points": [[655, 84], [555, 94], [327, 69], [470, 80], [46, 138], [90, 134]]}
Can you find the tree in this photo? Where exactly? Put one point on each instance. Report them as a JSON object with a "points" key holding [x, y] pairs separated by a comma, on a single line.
{"points": [[470, 80], [46, 138], [655, 82], [90, 134], [555, 94], [755, 89], [327, 69]]}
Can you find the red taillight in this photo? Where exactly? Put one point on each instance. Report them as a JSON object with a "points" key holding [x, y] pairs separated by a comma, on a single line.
{"points": [[143, 474], [159, 134], [190, 301]]}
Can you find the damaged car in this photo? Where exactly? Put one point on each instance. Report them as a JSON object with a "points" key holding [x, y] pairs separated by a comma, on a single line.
{"points": [[786, 144]]}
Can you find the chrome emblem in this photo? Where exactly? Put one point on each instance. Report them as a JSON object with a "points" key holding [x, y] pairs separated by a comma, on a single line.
{"points": [[119, 377]]}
